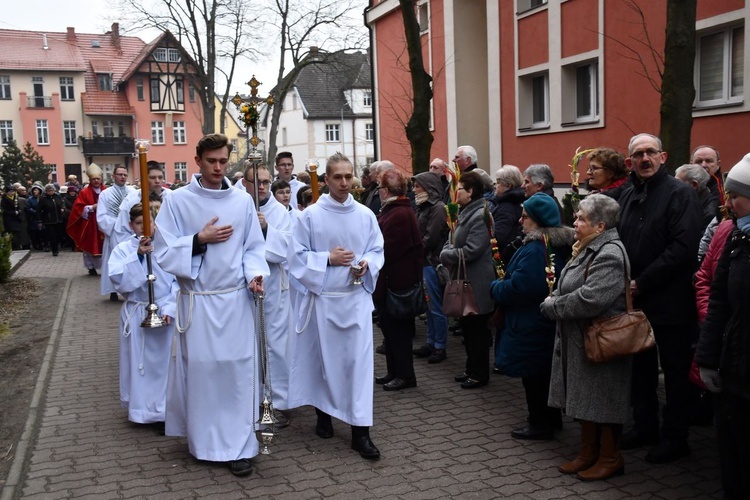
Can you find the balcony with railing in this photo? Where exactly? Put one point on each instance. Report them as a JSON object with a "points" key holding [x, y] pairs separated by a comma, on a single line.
{"points": [[39, 101], [108, 146]]}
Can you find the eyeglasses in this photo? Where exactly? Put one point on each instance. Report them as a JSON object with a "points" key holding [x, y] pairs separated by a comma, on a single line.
{"points": [[593, 169], [638, 155], [262, 183]]}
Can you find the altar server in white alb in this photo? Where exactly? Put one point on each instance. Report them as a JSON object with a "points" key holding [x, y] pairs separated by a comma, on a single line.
{"points": [[109, 208], [156, 193], [208, 235], [276, 225], [144, 353], [331, 367]]}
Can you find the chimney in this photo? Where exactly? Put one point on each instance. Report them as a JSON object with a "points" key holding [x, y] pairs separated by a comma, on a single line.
{"points": [[71, 33], [116, 35]]}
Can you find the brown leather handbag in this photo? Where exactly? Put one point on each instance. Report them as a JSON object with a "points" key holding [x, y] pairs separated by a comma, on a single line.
{"points": [[458, 297], [621, 335]]}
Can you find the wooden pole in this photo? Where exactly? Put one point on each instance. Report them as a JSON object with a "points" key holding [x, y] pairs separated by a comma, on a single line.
{"points": [[144, 190]]}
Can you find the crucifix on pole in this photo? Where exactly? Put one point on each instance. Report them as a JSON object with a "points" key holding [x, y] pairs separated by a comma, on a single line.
{"points": [[249, 115]]}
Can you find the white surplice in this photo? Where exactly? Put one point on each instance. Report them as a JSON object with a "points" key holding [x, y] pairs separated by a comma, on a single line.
{"points": [[144, 352], [220, 389], [122, 229], [331, 366], [106, 216]]}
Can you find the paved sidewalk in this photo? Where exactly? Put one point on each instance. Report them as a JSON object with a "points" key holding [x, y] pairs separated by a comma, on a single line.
{"points": [[437, 441]]}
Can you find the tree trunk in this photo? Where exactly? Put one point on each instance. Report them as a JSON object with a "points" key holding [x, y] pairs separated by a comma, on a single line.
{"points": [[677, 90], [418, 126]]}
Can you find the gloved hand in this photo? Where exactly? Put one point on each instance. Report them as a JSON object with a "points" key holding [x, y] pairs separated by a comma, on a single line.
{"points": [[711, 378]]}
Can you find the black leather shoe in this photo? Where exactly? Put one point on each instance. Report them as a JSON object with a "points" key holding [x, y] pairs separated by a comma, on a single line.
{"points": [[113, 297], [437, 356], [384, 379], [667, 451], [471, 383], [241, 468], [461, 377], [281, 418], [496, 370], [637, 438], [397, 384], [92, 272], [324, 428], [533, 433], [365, 447], [424, 351]]}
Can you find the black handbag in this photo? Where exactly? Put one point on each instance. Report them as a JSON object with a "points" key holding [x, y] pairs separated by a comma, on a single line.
{"points": [[406, 304], [409, 303]]}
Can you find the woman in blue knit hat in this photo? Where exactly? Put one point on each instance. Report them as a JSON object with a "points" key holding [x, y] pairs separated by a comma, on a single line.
{"points": [[527, 337]]}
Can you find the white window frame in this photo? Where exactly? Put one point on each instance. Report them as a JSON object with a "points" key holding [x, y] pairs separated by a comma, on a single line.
{"points": [[69, 133], [728, 95], [333, 132], [157, 132], [525, 5], [67, 89], [173, 55], [104, 81], [180, 170], [42, 133], [369, 132], [160, 54], [423, 16], [108, 128], [5, 87], [367, 98], [527, 100], [180, 132], [6, 132]]}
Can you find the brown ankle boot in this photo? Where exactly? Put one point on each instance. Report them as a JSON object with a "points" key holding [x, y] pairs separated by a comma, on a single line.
{"points": [[589, 449], [610, 462]]}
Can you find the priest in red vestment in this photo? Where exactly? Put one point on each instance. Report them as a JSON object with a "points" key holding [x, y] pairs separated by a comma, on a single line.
{"points": [[82, 226]]}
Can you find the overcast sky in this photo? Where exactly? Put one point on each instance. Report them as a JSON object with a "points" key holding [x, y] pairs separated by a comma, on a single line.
{"points": [[97, 16]]}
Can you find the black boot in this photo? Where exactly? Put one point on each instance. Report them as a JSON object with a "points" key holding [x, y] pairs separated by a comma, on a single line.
{"points": [[324, 427], [362, 443]]}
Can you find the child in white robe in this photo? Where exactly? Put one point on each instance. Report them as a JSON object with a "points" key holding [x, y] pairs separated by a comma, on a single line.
{"points": [[144, 352]]}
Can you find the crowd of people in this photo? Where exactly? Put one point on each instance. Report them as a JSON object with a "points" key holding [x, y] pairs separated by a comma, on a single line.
{"points": [[325, 265]]}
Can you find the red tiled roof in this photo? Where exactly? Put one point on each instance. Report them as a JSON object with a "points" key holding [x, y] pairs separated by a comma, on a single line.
{"points": [[101, 66], [106, 103], [24, 50]]}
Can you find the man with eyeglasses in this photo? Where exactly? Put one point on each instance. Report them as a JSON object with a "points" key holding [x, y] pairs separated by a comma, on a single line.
{"points": [[277, 232], [110, 200], [660, 226]]}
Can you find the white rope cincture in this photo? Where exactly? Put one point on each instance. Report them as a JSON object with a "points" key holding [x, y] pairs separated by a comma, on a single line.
{"points": [[191, 294]]}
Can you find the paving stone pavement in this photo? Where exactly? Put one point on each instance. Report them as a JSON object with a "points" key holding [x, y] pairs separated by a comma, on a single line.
{"points": [[437, 441]]}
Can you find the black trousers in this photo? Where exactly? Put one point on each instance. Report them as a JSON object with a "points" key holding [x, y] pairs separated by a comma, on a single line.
{"points": [[537, 393], [398, 335], [675, 355], [53, 232], [477, 341], [733, 435]]}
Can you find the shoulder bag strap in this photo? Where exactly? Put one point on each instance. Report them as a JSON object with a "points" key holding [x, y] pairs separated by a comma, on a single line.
{"points": [[628, 294]]}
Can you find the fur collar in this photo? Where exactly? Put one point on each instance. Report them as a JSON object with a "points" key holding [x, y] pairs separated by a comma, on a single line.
{"points": [[558, 236]]}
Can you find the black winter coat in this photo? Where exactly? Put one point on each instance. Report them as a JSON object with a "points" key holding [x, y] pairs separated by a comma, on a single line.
{"points": [[506, 212], [51, 209], [725, 338], [660, 226]]}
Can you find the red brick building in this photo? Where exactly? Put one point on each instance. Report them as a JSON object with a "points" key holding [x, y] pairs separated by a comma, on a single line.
{"points": [[529, 81]]}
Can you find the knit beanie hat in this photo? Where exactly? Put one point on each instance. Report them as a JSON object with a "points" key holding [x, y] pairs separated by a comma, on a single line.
{"points": [[738, 179], [543, 210]]}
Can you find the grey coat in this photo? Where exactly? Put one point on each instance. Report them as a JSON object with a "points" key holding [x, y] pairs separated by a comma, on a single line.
{"points": [[587, 391], [473, 237]]}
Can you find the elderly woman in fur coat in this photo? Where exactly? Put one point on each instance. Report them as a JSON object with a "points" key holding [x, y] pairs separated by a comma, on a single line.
{"points": [[527, 338], [592, 285]]}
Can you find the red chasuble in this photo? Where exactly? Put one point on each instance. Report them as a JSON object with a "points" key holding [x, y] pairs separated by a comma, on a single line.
{"points": [[85, 232]]}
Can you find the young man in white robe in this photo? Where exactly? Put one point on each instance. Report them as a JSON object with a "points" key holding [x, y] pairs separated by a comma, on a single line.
{"points": [[276, 225], [208, 235], [109, 209], [155, 189], [332, 363], [144, 352], [284, 168]]}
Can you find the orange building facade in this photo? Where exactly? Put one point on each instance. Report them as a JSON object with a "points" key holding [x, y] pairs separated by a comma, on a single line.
{"points": [[86, 98], [529, 81]]}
